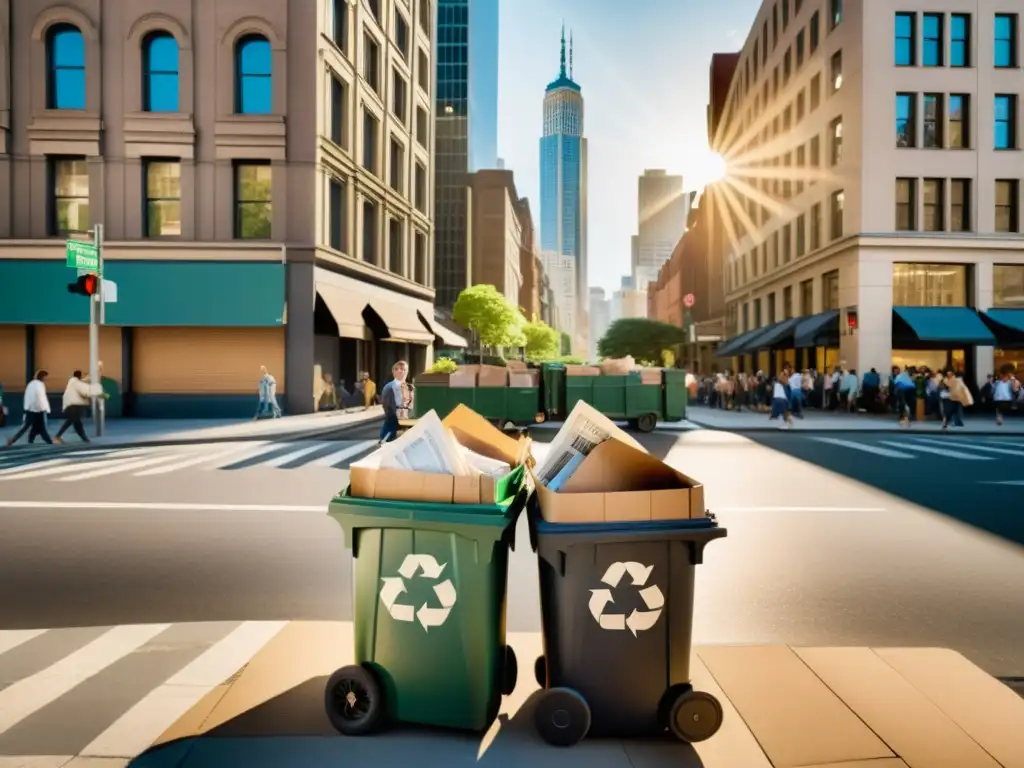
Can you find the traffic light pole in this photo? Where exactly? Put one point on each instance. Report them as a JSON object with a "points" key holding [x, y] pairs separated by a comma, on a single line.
{"points": [[95, 318]]}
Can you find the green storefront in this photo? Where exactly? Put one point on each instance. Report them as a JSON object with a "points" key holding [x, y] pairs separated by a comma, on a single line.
{"points": [[184, 339]]}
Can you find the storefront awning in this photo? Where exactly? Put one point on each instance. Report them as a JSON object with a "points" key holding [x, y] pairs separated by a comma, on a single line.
{"points": [[770, 337], [942, 325], [347, 310], [729, 347], [445, 335], [401, 323], [1006, 324], [811, 330]]}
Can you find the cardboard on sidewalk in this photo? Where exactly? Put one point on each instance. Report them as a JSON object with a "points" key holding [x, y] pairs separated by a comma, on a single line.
{"points": [[472, 431]]}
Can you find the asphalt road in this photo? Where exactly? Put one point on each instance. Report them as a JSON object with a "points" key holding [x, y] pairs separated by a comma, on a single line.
{"points": [[827, 544]]}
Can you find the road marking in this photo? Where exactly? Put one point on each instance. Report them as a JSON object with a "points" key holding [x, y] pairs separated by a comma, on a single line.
{"points": [[800, 509], [191, 462], [260, 449], [939, 451], [136, 730], [112, 468], [172, 507], [34, 465], [278, 461], [27, 696], [15, 637], [938, 441], [1001, 482], [866, 448], [337, 457], [57, 470]]}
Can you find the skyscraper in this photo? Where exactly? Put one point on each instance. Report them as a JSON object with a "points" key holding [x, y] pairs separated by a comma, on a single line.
{"points": [[662, 208], [563, 198], [466, 131]]}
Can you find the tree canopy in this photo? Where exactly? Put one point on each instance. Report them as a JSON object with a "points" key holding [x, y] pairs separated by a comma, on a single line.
{"points": [[484, 310], [542, 341], [640, 338]]}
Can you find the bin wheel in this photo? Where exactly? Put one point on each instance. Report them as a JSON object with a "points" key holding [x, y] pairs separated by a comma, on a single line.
{"points": [[695, 716], [353, 701], [540, 671], [509, 672], [647, 422], [562, 717]]}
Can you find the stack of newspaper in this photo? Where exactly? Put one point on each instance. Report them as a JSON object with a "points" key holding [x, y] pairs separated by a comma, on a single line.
{"points": [[432, 448], [584, 430]]}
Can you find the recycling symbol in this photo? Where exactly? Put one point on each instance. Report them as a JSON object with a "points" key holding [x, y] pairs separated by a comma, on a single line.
{"points": [[637, 621], [393, 587]]}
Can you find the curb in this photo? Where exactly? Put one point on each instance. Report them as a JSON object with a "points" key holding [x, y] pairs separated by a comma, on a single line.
{"points": [[868, 431]]}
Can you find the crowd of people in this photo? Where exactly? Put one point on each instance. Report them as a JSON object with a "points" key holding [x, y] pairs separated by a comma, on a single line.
{"points": [[944, 394]]}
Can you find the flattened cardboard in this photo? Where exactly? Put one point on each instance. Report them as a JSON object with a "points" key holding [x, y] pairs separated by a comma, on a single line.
{"points": [[462, 379], [492, 376], [582, 370], [525, 378], [620, 483], [433, 379], [472, 431]]}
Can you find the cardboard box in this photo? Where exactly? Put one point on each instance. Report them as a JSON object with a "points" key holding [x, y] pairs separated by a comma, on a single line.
{"points": [[582, 370], [465, 377], [620, 482], [650, 375], [525, 378], [433, 379], [516, 365], [492, 376], [472, 431]]}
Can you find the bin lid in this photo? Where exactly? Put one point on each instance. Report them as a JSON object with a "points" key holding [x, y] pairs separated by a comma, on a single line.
{"points": [[430, 513], [626, 526]]}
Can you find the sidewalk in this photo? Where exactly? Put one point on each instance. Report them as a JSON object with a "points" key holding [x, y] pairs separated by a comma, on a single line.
{"points": [[182, 431], [816, 421]]}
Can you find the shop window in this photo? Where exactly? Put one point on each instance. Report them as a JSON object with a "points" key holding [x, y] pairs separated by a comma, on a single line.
{"points": [[1008, 285], [830, 290], [929, 285]]}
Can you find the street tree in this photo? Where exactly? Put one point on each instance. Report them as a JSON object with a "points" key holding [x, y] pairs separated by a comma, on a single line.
{"points": [[542, 341], [640, 338], [486, 312]]}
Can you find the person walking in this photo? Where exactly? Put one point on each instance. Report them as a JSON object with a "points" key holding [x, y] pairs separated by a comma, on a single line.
{"points": [[78, 396], [393, 399], [268, 395], [1002, 395], [954, 396], [37, 408]]}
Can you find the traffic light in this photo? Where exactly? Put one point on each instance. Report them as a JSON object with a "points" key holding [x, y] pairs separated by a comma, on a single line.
{"points": [[86, 285]]}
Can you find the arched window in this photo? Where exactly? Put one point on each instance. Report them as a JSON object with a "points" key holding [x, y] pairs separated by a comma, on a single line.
{"points": [[65, 61], [253, 75], [160, 72]]}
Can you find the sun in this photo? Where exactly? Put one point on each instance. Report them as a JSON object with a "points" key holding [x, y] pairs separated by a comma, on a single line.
{"points": [[704, 168]]}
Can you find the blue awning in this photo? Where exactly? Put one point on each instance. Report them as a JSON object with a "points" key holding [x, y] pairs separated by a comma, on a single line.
{"points": [[956, 325], [1011, 319], [810, 329], [771, 336], [728, 347]]}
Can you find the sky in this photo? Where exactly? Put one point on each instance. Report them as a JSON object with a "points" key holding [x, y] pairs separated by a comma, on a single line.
{"points": [[643, 67]]}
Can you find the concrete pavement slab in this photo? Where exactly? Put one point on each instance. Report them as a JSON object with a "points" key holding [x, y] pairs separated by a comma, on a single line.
{"points": [[817, 421]]}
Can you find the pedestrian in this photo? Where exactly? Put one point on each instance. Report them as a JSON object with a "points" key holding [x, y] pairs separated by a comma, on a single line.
{"points": [[1002, 394], [780, 402], [393, 399], [78, 396], [268, 395], [37, 408], [796, 393], [906, 396], [954, 396]]}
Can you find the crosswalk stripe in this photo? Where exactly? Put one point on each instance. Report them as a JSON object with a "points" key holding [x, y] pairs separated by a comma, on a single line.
{"points": [[865, 447], [14, 469], [260, 450], [194, 460], [140, 726], [277, 461], [938, 451], [112, 468], [11, 639], [62, 468], [972, 446], [28, 695], [333, 459]]}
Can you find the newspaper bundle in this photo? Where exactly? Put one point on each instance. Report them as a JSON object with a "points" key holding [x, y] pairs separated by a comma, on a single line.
{"points": [[584, 430]]}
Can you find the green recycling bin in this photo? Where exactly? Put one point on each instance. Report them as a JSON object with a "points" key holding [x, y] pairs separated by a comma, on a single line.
{"points": [[429, 588]]}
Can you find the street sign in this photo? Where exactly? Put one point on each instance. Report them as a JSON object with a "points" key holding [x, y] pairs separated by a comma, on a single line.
{"points": [[82, 255], [109, 291], [689, 300]]}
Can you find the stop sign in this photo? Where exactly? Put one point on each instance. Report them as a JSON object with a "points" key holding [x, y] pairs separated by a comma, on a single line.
{"points": [[688, 300]]}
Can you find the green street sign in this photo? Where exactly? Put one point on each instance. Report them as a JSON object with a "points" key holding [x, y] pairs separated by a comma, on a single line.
{"points": [[82, 256]]}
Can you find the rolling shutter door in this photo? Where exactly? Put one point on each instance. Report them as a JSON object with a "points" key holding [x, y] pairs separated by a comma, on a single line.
{"points": [[206, 360], [12, 358], [63, 349]]}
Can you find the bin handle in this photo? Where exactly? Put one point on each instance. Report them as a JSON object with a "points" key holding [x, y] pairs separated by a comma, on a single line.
{"points": [[695, 540]]}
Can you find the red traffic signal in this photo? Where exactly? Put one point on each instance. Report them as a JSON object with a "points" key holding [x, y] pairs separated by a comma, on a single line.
{"points": [[86, 285]]}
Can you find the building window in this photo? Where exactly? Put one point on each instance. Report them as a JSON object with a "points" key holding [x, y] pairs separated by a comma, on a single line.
{"points": [[160, 73], [801, 106], [396, 256], [422, 127], [816, 226], [253, 205], [65, 54], [906, 205], [375, 9], [800, 46], [835, 14], [1008, 285], [339, 23], [815, 92], [816, 152], [399, 96], [836, 133], [423, 70], [836, 203], [420, 188], [775, 26], [801, 235], [815, 31], [906, 120], [69, 201], [830, 290], [785, 14], [770, 301], [402, 34], [1006, 121], [932, 120], [905, 38], [787, 302], [787, 243], [933, 40], [934, 205], [807, 298], [396, 159], [787, 66], [959, 121], [338, 109], [1007, 205], [836, 69], [163, 198], [929, 285], [371, 62], [420, 255], [960, 40], [338, 216], [1006, 40], [253, 76], [370, 128], [369, 231], [960, 205], [757, 313], [424, 16]]}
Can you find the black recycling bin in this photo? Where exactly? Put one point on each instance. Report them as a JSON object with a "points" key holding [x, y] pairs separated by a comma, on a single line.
{"points": [[617, 612]]}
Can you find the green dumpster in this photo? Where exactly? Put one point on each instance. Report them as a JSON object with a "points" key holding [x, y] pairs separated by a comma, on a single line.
{"points": [[429, 609]]}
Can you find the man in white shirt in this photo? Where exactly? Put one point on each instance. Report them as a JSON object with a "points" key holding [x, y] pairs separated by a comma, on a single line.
{"points": [[77, 398], [1002, 394], [37, 407]]}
